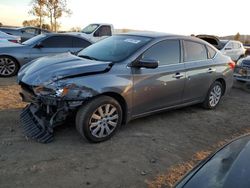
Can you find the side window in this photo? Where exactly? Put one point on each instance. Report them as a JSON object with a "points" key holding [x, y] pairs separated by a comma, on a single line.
{"points": [[30, 31], [58, 42], [166, 52], [103, 31], [194, 51], [211, 52], [229, 46], [80, 43], [237, 45]]}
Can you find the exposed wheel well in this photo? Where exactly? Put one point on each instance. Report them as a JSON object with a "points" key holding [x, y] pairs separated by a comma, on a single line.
{"points": [[222, 81], [121, 101]]}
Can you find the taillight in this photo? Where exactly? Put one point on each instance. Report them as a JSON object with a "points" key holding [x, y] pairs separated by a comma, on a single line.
{"points": [[231, 64], [15, 41]]}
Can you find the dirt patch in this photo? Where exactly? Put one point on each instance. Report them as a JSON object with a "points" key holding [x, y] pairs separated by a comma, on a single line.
{"points": [[139, 152], [9, 97]]}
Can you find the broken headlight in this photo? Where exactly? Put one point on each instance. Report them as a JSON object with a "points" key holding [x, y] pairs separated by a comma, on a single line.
{"points": [[45, 91]]}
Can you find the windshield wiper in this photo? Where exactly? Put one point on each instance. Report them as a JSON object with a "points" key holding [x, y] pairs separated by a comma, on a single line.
{"points": [[88, 57]]}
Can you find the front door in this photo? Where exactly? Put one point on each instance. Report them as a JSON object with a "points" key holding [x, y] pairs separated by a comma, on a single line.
{"points": [[158, 88]]}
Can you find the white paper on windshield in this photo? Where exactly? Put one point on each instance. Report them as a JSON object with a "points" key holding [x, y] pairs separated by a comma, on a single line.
{"points": [[134, 41]]}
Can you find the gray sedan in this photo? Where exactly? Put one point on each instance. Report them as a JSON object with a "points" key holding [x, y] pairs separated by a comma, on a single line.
{"points": [[13, 56], [118, 79]]}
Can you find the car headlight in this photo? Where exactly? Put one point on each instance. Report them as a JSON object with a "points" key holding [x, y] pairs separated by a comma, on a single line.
{"points": [[56, 92]]}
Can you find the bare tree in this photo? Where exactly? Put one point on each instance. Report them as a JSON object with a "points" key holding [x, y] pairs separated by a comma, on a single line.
{"points": [[56, 9], [38, 9], [237, 36], [1, 24], [34, 23]]}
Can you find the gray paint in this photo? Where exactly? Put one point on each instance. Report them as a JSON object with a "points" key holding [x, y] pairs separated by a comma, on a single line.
{"points": [[144, 91]]}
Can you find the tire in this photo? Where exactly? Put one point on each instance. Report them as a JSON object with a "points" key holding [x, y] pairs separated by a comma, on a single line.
{"points": [[214, 95], [8, 66], [99, 119]]}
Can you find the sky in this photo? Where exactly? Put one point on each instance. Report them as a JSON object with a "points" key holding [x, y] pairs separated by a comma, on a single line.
{"points": [[217, 17]]}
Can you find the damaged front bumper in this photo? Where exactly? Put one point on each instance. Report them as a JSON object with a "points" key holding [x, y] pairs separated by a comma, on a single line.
{"points": [[39, 118], [34, 127]]}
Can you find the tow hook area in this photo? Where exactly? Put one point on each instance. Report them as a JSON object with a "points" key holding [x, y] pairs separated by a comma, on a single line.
{"points": [[34, 127]]}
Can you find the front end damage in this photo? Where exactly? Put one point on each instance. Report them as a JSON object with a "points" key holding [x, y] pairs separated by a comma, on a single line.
{"points": [[45, 112]]}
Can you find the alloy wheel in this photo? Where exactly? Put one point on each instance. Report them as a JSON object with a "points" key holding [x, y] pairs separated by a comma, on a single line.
{"points": [[215, 95], [7, 66], [103, 121]]}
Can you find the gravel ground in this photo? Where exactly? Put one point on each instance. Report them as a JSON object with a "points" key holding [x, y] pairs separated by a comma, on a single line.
{"points": [[138, 153]]}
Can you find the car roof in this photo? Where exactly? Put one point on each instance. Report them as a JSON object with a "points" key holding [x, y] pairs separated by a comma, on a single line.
{"points": [[150, 34], [66, 34], [159, 35]]}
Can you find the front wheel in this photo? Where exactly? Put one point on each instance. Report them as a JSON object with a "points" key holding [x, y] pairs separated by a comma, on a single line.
{"points": [[99, 119], [213, 96]]}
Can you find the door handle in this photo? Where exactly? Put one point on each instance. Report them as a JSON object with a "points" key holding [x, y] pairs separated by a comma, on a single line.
{"points": [[211, 70], [178, 75]]}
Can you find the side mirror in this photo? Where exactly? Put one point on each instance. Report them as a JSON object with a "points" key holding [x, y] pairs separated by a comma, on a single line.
{"points": [[146, 63], [38, 45]]}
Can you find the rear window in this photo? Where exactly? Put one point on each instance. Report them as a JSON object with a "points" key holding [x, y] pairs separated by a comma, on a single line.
{"points": [[194, 51], [211, 52], [80, 43]]}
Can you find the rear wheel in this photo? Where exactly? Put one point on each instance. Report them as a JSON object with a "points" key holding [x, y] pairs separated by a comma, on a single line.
{"points": [[8, 66], [99, 119], [213, 96]]}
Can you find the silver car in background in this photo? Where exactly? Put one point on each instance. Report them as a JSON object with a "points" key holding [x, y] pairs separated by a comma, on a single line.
{"points": [[231, 48], [11, 38], [13, 56], [118, 79], [24, 32]]}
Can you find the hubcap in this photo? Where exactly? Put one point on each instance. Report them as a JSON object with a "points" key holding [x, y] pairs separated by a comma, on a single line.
{"points": [[103, 121], [7, 66], [215, 96]]}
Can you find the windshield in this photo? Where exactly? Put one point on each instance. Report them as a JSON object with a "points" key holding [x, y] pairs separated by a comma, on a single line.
{"points": [[34, 40], [90, 28], [114, 48]]}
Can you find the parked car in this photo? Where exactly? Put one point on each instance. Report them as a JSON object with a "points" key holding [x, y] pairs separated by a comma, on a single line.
{"points": [[118, 79], [24, 32], [231, 48], [13, 56], [229, 167], [10, 38], [96, 31], [242, 70]]}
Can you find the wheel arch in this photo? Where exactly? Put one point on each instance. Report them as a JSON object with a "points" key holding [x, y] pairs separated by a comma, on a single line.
{"points": [[223, 82], [121, 101]]}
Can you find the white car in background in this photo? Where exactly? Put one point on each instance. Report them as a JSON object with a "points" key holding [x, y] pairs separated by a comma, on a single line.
{"points": [[11, 38], [96, 31], [231, 48]]}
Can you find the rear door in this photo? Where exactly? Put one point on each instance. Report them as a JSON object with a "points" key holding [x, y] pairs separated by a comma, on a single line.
{"points": [[163, 86], [79, 44], [199, 71], [53, 45]]}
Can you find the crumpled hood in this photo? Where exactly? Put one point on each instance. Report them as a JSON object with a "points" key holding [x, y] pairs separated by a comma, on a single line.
{"points": [[51, 68]]}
